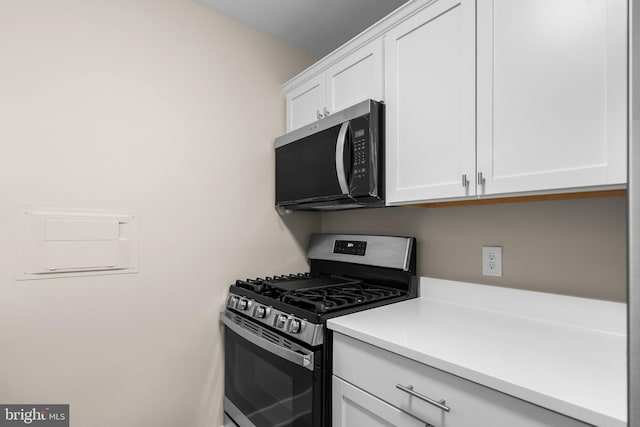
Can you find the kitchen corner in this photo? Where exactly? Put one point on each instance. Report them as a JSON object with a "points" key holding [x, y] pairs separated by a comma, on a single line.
{"points": [[153, 152]]}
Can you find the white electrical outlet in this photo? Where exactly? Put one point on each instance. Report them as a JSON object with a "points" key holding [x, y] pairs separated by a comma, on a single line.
{"points": [[492, 261]]}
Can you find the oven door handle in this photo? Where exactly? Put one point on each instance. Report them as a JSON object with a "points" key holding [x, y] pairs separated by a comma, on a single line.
{"points": [[304, 360]]}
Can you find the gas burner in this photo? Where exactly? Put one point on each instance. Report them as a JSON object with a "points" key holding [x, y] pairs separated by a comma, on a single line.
{"points": [[323, 300], [317, 294], [291, 282], [255, 285]]}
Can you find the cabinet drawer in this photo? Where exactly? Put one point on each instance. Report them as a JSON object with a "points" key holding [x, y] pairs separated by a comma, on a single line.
{"points": [[355, 407], [379, 372]]}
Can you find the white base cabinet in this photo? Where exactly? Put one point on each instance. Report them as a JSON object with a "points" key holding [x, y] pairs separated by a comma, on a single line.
{"points": [[355, 407], [365, 390]]}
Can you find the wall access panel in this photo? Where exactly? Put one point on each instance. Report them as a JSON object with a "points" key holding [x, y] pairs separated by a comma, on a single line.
{"points": [[64, 243]]}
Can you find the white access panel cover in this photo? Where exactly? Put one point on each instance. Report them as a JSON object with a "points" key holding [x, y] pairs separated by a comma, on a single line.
{"points": [[67, 242]]}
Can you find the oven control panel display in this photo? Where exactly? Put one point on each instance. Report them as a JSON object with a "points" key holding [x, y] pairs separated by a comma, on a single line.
{"points": [[350, 247]]}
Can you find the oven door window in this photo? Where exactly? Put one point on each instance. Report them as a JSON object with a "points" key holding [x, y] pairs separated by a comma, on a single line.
{"points": [[268, 390]]}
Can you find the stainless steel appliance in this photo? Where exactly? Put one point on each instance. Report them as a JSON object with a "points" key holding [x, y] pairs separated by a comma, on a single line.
{"points": [[277, 349], [335, 163]]}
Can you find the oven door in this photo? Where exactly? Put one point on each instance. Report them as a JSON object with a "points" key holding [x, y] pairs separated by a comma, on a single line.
{"points": [[267, 384]]}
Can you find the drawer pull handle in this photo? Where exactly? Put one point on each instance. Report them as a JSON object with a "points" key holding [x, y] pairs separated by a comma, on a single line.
{"points": [[438, 403]]}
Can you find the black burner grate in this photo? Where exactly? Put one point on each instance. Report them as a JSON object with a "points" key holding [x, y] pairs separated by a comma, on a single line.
{"points": [[323, 300], [318, 293]]}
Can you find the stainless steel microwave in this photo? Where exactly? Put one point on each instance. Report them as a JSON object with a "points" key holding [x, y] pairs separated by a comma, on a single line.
{"points": [[335, 163]]}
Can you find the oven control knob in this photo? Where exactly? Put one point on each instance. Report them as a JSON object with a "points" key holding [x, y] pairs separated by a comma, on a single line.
{"points": [[295, 326], [281, 321], [233, 301], [261, 312], [243, 304]]}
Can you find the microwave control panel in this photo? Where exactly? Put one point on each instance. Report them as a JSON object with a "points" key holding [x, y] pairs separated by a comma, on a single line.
{"points": [[361, 155]]}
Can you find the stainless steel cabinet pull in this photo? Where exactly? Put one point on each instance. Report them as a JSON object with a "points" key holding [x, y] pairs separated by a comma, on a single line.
{"points": [[438, 403], [465, 181], [326, 112], [481, 179], [318, 114]]}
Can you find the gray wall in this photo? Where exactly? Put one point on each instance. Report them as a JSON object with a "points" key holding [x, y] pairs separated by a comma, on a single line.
{"points": [[570, 247]]}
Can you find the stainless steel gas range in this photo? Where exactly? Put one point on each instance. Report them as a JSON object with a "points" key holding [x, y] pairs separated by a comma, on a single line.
{"points": [[277, 348]]}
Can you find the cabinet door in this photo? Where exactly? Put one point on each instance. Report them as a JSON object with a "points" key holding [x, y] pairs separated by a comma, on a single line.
{"points": [[306, 102], [430, 97], [354, 407], [356, 78], [551, 94]]}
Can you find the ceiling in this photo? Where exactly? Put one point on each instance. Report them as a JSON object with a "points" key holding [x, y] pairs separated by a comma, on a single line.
{"points": [[317, 26]]}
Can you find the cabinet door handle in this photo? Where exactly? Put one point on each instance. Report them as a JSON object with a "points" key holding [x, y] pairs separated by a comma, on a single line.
{"points": [[326, 112], [481, 179], [318, 114], [438, 403], [465, 181]]}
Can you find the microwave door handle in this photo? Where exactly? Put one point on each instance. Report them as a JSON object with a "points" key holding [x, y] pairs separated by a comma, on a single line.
{"points": [[342, 175]]}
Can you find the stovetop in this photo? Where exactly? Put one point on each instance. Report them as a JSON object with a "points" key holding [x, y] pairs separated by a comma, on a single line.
{"points": [[317, 294], [349, 273], [298, 305]]}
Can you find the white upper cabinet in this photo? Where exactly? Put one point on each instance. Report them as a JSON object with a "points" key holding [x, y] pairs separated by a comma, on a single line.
{"points": [[430, 104], [486, 98], [354, 78], [551, 94], [306, 102]]}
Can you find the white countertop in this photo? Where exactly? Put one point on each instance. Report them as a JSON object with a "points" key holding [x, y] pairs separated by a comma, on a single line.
{"points": [[563, 353]]}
